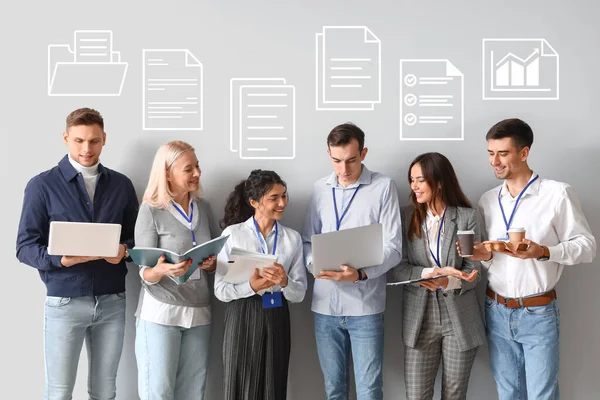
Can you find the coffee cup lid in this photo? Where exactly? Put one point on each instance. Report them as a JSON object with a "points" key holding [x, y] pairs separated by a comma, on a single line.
{"points": [[465, 232], [516, 230]]}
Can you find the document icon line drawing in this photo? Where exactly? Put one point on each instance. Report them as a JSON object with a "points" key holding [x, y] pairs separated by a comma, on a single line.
{"points": [[262, 110], [90, 68], [173, 88], [347, 68], [520, 69], [431, 100]]}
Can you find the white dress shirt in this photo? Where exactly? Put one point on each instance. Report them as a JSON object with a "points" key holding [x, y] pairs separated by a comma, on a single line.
{"points": [[551, 214], [89, 175], [288, 252], [153, 310], [432, 225]]}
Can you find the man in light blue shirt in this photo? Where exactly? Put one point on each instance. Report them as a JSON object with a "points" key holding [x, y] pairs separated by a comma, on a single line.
{"points": [[348, 306]]}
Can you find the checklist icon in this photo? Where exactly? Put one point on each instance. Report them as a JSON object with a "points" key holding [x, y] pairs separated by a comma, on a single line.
{"points": [[431, 100]]}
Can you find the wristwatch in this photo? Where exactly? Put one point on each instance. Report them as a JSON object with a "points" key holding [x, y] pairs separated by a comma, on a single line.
{"points": [[361, 276], [546, 255]]}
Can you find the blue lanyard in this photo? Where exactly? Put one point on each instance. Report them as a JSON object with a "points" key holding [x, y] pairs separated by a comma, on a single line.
{"points": [[188, 220], [338, 220], [258, 235], [512, 214], [439, 235]]}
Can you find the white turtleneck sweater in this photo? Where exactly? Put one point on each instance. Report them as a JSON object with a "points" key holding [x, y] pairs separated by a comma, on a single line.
{"points": [[89, 174]]}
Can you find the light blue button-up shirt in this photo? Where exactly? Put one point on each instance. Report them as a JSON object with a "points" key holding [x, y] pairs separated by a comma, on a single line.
{"points": [[375, 202]]}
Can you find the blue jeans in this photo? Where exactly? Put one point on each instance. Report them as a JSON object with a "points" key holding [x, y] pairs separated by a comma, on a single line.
{"points": [[172, 361], [523, 345], [338, 339], [68, 322]]}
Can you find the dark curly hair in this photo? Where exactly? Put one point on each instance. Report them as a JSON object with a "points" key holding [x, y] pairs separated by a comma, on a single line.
{"points": [[238, 208]]}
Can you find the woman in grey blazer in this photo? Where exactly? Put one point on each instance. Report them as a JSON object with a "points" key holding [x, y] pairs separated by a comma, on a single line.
{"points": [[441, 318]]}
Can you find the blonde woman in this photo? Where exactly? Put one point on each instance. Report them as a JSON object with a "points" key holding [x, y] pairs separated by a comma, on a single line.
{"points": [[173, 321]]}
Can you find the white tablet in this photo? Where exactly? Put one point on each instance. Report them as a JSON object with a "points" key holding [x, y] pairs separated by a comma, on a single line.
{"points": [[84, 239], [356, 247]]}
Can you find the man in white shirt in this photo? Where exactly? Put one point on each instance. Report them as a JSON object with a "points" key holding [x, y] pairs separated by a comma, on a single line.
{"points": [[521, 310]]}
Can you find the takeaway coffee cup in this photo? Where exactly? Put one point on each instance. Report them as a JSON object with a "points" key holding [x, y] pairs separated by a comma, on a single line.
{"points": [[516, 235], [465, 241]]}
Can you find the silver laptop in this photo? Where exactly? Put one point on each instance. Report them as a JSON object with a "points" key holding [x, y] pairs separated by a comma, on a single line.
{"points": [[356, 247], [84, 239]]}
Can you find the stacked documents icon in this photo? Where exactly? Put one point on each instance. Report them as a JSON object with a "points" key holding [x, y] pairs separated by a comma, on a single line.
{"points": [[262, 118], [91, 68], [519, 69], [431, 100], [348, 68], [173, 90]]}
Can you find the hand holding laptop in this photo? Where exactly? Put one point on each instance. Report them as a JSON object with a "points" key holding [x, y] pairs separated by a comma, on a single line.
{"points": [[348, 274]]}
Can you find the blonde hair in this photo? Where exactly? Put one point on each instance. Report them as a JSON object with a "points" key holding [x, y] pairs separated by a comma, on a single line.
{"points": [[158, 193]]}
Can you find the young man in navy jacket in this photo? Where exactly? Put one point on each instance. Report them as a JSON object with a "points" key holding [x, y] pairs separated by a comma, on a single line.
{"points": [[85, 295]]}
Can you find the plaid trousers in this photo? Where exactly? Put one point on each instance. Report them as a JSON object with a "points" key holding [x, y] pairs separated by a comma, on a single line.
{"points": [[437, 342]]}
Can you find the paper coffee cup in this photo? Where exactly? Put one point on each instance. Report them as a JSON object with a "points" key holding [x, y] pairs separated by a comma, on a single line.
{"points": [[465, 242], [516, 235]]}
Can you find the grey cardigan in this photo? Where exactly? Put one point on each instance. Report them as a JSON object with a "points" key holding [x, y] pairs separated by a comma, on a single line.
{"points": [[463, 307], [157, 227]]}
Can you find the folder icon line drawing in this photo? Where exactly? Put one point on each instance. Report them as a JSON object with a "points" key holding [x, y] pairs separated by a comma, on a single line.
{"points": [[172, 93], [90, 68], [519, 69], [431, 100], [347, 68], [262, 118]]}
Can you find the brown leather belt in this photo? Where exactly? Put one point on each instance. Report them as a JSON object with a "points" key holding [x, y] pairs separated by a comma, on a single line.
{"points": [[532, 301]]}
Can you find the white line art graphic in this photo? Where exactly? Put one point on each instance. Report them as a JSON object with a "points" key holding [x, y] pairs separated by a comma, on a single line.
{"points": [[262, 118], [92, 68], [520, 69], [173, 90], [348, 68], [431, 100]]}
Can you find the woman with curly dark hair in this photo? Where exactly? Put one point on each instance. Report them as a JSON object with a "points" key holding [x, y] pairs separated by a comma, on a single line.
{"points": [[256, 343]]}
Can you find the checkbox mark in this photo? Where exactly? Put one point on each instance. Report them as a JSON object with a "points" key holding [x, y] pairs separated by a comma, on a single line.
{"points": [[410, 99], [410, 119], [410, 80]]}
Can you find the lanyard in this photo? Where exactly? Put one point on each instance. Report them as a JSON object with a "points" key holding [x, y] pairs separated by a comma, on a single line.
{"points": [[260, 237], [338, 220], [188, 220], [512, 214], [439, 235]]}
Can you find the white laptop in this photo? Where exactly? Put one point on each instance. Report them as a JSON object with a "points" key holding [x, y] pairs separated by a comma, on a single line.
{"points": [[356, 247], [84, 239]]}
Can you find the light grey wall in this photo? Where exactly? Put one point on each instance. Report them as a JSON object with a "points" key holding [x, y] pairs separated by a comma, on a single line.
{"points": [[276, 39]]}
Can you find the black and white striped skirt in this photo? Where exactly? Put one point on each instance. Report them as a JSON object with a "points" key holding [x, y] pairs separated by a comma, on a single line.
{"points": [[256, 350]]}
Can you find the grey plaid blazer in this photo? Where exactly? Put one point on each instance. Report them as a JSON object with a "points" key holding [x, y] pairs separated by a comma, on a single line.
{"points": [[463, 307]]}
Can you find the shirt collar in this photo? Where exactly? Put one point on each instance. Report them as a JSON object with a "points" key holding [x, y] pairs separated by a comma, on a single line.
{"points": [[532, 190], [69, 172], [249, 223], [364, 179]]}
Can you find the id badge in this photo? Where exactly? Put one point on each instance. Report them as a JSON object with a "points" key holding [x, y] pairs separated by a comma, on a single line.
{"points": [[272, 300]]}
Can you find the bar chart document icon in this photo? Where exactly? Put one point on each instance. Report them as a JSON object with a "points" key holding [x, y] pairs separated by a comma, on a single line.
{"points": [[262, 118], [90, 68], [431, 100], [519, 69], [348, 68], [172, 92]]}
